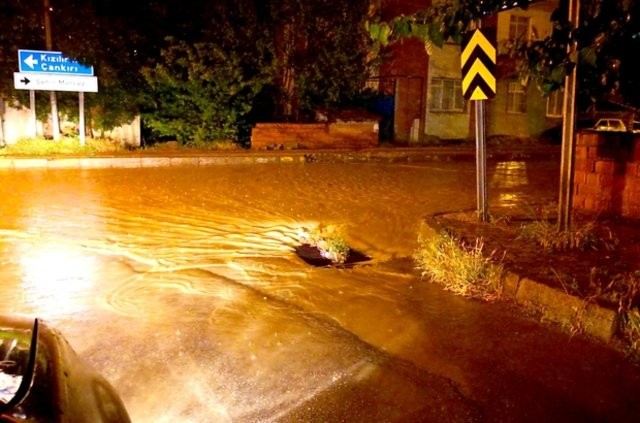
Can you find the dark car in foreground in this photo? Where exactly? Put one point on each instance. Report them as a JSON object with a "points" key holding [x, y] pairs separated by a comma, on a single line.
{"points": [[43, 380]]}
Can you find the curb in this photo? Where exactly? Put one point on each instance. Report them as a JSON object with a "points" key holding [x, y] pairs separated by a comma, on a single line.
{"points": [[570, 312], [170, 158]]}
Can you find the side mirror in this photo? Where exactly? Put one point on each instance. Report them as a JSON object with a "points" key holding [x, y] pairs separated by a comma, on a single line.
{"points": [[27, 375]]}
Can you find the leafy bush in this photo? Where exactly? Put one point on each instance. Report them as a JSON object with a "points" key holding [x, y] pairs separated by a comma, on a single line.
{"points": [[460, 267], [201, 92]]}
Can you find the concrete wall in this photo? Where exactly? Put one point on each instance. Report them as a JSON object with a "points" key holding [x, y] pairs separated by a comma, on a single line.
{"points": [[128, 134], [607, 173], [15, 126]]}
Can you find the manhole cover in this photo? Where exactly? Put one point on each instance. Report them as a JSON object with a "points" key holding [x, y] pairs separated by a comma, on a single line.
{"points": [[311, 255]]}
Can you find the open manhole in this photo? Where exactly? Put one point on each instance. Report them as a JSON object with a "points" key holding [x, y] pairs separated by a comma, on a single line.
{"points": [[313, 256]]}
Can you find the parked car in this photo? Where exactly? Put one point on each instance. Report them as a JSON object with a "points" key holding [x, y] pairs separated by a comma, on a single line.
{"points": [[610, 125], [43, 380]]}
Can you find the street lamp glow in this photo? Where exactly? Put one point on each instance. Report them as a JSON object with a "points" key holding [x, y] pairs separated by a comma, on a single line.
{"points": [[53, 275]]}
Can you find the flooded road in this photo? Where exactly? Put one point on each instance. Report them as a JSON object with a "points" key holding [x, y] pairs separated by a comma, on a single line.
{"points": [[181, 286]]}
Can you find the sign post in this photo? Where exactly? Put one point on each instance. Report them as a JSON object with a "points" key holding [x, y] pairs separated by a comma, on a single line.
{"points": [[52, 71], [33, 125], [478, 61], [565, 200]]}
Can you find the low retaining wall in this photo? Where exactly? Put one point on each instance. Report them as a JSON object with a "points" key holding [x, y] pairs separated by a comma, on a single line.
{"points": [[607, 173], [343, 135]]}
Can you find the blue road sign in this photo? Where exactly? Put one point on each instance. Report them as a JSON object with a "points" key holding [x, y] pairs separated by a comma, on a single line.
{"points": [[37, 61]]}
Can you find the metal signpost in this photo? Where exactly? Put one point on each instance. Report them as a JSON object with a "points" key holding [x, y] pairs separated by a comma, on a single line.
{"points": [[565, 200], [41, 70], [478, 61]]}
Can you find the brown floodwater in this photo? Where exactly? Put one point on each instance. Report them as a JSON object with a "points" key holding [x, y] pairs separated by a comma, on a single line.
{"points": [[181, 285]]}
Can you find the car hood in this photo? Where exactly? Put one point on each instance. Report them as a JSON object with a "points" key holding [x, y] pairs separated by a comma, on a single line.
{"points": [[47, 381]]}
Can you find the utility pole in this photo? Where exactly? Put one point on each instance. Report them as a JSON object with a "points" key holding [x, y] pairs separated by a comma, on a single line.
{"points": [[565, 201], [55, 122]]}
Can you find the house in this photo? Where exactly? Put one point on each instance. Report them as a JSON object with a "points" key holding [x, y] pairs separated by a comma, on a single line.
{"points": [[428, 87]]}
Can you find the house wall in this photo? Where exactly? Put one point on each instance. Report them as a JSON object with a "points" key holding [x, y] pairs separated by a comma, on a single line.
{"points": [[445, 63], [540, 25], [500, 121], [409, 58]]}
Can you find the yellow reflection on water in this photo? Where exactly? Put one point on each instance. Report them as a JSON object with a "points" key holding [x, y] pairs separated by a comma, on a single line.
{"points": [[510, 175], [507, 176], [53, 276]]}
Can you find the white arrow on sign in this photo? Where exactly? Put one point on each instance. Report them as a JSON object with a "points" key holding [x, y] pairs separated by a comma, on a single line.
{"points": [[30, 61], [53, 82]]}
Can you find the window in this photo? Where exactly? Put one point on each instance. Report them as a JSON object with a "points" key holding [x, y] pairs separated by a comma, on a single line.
{"points": [[519, 28], [516, 98], [446, 95], [554, 104]]}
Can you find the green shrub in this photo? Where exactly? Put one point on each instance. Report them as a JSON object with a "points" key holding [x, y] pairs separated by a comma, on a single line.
{"points": [[201, 92], [459, 267]]}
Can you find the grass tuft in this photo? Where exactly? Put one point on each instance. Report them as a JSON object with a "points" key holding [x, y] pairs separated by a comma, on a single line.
{"points": [[329, 240], [66, 145], [624, 289], [585, 237], [460, 267]]}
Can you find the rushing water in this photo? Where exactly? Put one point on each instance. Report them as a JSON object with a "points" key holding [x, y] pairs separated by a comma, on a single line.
{"points": [[181, 286]]}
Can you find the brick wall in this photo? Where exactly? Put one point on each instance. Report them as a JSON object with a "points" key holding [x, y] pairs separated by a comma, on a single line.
{"points": [[343, 135], [407, 62], [607, 173]]}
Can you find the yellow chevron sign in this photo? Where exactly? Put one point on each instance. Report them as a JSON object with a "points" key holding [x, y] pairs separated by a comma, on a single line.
{"points": [[478, 62]]}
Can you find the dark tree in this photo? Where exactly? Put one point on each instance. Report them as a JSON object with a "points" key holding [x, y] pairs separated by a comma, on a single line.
{"points": [[319, 48]]}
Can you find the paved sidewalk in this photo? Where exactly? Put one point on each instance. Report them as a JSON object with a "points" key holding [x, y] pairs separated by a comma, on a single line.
{"points": [[186, 157], [533, 278]]}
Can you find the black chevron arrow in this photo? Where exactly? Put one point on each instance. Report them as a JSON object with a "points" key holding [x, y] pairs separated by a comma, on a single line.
{"points": [[479, 82], [478, 58], [481, 55], [25, 80]]}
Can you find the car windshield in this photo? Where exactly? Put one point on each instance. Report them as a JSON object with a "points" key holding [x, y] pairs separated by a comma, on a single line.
{"points": [[610, 124]]}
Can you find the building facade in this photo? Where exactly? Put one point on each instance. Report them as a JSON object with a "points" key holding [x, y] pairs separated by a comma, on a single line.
{"points": [[428, 94]]}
